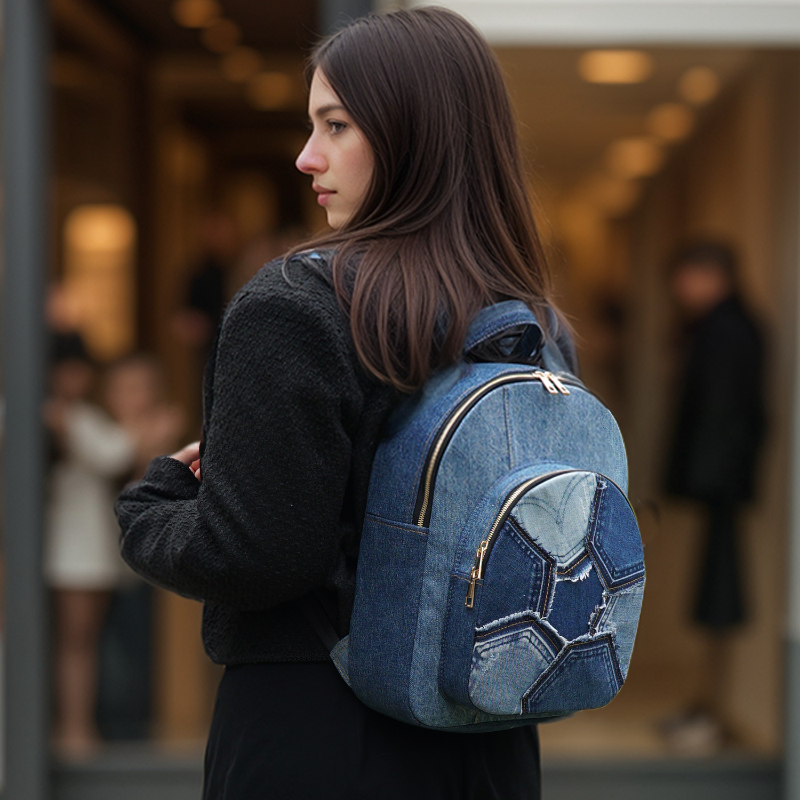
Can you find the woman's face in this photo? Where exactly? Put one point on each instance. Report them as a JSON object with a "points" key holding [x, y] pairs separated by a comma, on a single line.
{"points": [[337, 154]]}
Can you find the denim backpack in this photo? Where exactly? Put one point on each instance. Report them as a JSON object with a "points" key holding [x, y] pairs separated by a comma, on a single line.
{"points": [[501, 572]]}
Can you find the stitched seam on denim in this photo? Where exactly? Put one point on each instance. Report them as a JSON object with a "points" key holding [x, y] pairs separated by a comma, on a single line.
{"points": [[601, 487], [445, 635], [573, 482], [509, 438], [573, 565], [550, 563], [397, 526], [521, 623], [617, 587], [491, 645], [632, 570]]}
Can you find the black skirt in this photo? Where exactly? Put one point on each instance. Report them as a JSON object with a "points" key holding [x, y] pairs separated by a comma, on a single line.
{"points": [[295, 730]]}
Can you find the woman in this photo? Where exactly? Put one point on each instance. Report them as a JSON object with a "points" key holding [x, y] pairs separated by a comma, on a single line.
{"points": [[81, 562], [414, 156]]}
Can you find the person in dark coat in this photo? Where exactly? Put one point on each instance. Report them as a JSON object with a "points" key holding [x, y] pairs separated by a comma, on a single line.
{"points": [[719, 429], [720, 420]]}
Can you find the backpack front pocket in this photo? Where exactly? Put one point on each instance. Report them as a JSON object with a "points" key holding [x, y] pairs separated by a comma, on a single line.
{"points": [[549, 564]]}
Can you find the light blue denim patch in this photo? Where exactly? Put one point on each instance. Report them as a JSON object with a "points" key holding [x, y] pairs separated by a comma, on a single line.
{"points": [[556, 515], [507, 661]]}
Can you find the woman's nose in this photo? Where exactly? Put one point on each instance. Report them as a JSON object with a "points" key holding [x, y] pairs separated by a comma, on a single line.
{"points": [[310, 161]]}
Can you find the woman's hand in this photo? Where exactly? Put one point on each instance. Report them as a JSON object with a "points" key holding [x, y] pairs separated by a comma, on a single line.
{"points": [[190, 455]]}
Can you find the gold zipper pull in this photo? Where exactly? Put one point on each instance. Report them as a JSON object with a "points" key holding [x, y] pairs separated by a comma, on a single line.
{"points": [[477, 572], [546, 382], [471, 590], [560, 386], [480, 555]]}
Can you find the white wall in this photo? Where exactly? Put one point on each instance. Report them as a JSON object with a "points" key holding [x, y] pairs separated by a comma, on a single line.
{"points": [[640, 22]]}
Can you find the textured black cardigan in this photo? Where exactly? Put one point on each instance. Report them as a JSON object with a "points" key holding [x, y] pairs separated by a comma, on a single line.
{"points": [[291, 425]]}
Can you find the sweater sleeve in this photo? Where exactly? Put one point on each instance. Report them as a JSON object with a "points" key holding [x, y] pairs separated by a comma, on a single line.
{"points": [[262, 527]]}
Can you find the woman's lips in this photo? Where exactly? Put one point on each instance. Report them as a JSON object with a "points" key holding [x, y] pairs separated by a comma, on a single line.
{"points": [[323, 194]]}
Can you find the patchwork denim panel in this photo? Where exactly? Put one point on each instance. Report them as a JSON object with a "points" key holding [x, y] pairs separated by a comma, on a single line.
{"points": [[542, 616], [620, 618], [614, 539], [522, 577], [577, 596], [507, 660], [585, 675]]}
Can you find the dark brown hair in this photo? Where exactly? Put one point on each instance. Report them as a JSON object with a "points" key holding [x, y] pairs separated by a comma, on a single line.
{"points": [[446, 226]]}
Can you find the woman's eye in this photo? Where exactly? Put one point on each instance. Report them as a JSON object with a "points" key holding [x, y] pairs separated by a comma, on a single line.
{"points": [[336, 127]]}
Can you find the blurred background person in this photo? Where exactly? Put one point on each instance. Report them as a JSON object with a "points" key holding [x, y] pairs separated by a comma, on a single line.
{"points": [[135, 393], [81, 560], [718, 433]]}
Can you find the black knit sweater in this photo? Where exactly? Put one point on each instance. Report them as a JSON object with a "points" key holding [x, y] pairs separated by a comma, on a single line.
{"points": [[291, 426], [292, 422]]}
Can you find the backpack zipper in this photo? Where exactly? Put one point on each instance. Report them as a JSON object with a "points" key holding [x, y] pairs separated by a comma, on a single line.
{"points": [[554, 384], [484, 548]]}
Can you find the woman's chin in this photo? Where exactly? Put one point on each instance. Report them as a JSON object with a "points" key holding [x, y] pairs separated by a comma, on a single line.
{"points": [[335, 220]]}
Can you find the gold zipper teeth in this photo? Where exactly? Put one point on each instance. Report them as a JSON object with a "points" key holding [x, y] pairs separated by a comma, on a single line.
{"points": [[553, 386]]}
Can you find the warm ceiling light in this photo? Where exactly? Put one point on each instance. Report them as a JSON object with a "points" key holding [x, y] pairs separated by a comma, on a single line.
{"points": [[671, 121], [270, 90], [636, 157], [195, 13], [221, 36], [100, 228], [241, 64], [615, 66], [699, 85]]}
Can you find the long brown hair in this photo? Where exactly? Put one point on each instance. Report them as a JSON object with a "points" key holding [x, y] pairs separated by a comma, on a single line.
{"points": [[446, 226]]}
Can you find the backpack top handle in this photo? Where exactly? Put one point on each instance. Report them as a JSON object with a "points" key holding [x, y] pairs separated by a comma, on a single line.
{"points": [[510, 328]]}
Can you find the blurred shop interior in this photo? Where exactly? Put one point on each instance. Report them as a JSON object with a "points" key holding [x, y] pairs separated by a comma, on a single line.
{"points": [[176, 125]]}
